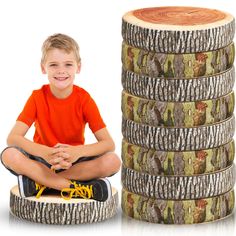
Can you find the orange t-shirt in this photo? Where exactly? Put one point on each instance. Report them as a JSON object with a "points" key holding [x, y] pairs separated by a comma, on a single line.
{"points": [[61, 120]]}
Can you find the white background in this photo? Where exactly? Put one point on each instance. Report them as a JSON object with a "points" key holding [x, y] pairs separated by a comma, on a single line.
{"points": [[96, 25]]}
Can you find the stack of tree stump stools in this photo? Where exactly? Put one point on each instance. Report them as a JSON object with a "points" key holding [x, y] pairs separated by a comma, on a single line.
{"points": [[177, 115]]}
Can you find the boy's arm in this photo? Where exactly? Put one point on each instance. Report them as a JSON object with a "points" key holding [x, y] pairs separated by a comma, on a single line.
{"points": [[104, 144], [16, 138]]}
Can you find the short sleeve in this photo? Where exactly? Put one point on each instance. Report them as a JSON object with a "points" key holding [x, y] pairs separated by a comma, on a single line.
{"points": [[28, 114], [92, 115]]}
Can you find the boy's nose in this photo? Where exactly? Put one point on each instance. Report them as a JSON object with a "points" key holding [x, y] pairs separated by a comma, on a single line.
{"points": [[61, 70]]}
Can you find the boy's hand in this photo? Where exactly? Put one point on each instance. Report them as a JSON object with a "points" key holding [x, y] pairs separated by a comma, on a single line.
{"points": [[55, 157], [63, 156], [58, 145], [47, 153], [58, 159], [68, 152], [58, 164]]}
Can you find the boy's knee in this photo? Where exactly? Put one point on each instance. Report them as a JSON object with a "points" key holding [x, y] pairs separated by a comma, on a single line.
{"points": [[117, 162], [113, 162], [10, 155]]}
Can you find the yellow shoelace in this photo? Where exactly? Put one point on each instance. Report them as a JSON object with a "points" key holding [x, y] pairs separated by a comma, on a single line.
{"points": [[40, 189], [79, 190]]}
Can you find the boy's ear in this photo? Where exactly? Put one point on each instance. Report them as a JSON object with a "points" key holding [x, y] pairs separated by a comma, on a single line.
{"points": [[43, 69], [79, 68]]}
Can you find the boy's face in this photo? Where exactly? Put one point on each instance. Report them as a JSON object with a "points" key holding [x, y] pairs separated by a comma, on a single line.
{"points": [[61, 68]]}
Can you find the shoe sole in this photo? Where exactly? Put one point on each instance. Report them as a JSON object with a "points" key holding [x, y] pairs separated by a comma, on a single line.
{"points": [[21, 186], [109, 188]]}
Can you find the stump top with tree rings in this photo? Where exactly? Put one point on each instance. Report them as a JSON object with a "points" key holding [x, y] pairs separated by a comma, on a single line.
{"points": [[53, 209], [178, 17], [178, 29]]}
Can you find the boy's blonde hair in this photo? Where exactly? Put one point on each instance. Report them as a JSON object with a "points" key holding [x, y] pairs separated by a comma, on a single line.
{"points": [[63, 42]]}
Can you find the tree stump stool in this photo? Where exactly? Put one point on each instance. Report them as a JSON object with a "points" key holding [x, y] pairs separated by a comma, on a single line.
{"points": [[174, 89], [53, 209], [171, 187], [177, 211], [178, 29], [170, 65], [178, 138], [186, 163], [177, 114]]}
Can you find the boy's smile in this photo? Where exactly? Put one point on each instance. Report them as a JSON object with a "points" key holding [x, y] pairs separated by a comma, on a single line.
{"points": [[61, 68], [61, 78]]}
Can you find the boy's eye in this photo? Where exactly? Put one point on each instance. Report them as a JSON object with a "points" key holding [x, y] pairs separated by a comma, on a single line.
{"points": [[52, 64], [69, 64]]}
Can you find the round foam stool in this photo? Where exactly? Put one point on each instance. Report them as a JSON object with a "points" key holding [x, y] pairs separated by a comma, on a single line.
{"points": [[177, 114], [178, 89], [178, 29], [178, 139], [155, 162], [176, 187], [52, 209], [178, 211], [177, 65]]}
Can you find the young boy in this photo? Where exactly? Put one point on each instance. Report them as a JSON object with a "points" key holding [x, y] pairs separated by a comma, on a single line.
{"points": [[58, 158]]}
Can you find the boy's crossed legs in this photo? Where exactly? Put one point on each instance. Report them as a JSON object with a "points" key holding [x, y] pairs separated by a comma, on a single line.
{"points": [[21, 163]]}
